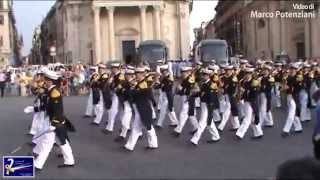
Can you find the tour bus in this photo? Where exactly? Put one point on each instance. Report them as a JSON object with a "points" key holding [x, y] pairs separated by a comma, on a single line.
{"points": [[152, 51], [210, 49]]}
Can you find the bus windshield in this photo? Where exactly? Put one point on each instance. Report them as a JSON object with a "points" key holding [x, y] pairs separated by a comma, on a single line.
{"points": [[217, 52], [152, 53]]}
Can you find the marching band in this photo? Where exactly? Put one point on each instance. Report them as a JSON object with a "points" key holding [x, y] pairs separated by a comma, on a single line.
{"points": [[245, 94]]}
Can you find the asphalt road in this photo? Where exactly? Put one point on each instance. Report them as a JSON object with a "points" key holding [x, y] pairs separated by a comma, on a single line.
{"points": [[99, 157]]}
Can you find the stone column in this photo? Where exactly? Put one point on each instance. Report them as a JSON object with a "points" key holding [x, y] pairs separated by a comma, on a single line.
{"points": [[143, 22], [111, 32], [97, 38], [307, 38], [156, 12]]}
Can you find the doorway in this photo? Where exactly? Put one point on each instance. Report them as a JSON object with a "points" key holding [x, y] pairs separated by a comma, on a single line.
{"points": [[300, 50], [128, 51]]}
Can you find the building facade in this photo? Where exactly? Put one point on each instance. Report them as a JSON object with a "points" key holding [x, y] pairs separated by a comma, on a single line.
{"points": [[9, 39], [264, 36], [101, 31]]}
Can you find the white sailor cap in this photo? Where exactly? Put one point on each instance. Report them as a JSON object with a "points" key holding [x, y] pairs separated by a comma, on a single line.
{"points": [[186, 68], [51, 75], [164, 67], [213, 67], [147, 68], [267, 67], [130, 67], [40, 71], [278, 64], [213, 61], [140, 70], [243, 61], [199, 63], [115, 65], [295, 66], [228, 67], [102, 66], [306, 65], [207, 71], [249, 69], [129, 71], [314, 64], [159, 61], [259, 61]]}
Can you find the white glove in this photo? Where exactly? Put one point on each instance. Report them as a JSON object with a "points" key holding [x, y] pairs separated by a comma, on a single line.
{"points": [[52, 128], [28, 109]]}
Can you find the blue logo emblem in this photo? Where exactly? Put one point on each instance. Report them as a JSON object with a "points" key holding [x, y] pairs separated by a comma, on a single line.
{"points": [[18, 166]]}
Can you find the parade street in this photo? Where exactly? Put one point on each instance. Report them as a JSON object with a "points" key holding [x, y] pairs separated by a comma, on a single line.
{"points": [[98, 156]]}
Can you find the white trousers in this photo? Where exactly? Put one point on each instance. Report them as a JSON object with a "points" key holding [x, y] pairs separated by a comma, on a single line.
{"points": [[47, 144], [305, 113], [183, 117], [241, 109], [197, 102], [161, 95], [247, 121], [203, 124], [112, 112], [137, 128], [292, 119], [36, 123], [265, 117], [99, 110], [313, 89], [163, 112], [277, 95], [126, 119], [44, 126], [216, 115], [226, 115], [89, 108]]}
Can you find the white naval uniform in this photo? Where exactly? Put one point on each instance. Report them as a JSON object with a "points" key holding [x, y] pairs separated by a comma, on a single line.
{"points": [[164, 110], [203, 124], [226, 114], [112, 112], [265, 117], [183, 117], [126, 119], [292, 119], [277, 95], [247, 121], [89, 107], [305, 113], [137, 130], [99, 109]]}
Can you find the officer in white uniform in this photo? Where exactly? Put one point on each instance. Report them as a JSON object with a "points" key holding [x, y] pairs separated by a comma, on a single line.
{"points": [[89, 108], [143, 113]]}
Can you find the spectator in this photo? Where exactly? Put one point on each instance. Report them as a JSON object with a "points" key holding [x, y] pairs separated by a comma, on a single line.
{"points": [[3, 79], [316, 133], [306, 168]]}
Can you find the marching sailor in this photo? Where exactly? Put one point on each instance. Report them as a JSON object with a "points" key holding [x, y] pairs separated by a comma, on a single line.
{"points": [[89, 109], [166, 86], [143, 112], [209, 102], [100, 97], [305, 93], [277, 86], [267, 85], [185, 90], [115, 81], [59, 125], [293, 85], [124, 94], [230, 85], [249, 93]]}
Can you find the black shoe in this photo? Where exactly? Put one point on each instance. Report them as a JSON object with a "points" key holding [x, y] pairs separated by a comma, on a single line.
{"points": [[65, 166], [217, 122], [233, 129], [94, 124], [257, 137], [148, 148], [175, 134], [193, 144], [106, 131], [119, 139], [38, 170], [124, 149], [306, 121], [220, 131], [268, 126], [238, 138], [173, 125], [284, 134], [86, 116], [211, 141], [30, 135], [158, 127], [192, 132], [298, 132]]}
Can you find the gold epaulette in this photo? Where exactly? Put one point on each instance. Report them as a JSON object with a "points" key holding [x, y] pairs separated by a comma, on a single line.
{"points": [[143, 85], [271, 79], [234, 79], [192, 79], [299, 77], [121, 77], [255, 83], [214, 86], [55, 93]]}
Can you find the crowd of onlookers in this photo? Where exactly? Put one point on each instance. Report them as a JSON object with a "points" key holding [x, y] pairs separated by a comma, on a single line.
{"points": [[18, 81]]}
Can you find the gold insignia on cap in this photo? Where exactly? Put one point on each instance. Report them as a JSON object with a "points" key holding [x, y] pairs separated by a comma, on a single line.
{"points": [[55, 93]]}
